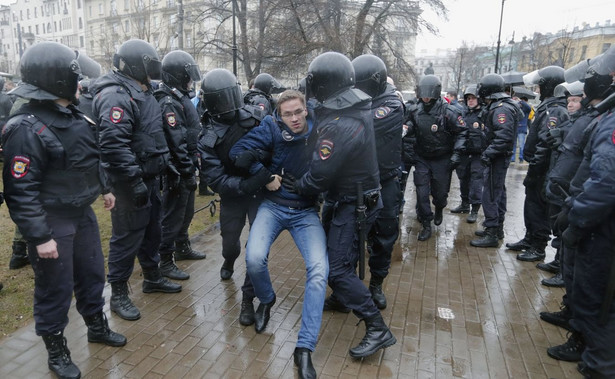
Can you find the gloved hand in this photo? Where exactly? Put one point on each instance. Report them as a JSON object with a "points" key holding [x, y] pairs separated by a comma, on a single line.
{"points": [[246, 159], [190, 182], [571, 236], [485, 160], [555, 137], [530, 181], [455, 160], [252, 184], [561, 222], [173, 177], [289, 183], [139, 193]]}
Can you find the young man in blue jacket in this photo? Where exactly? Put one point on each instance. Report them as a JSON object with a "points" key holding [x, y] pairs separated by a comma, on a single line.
{"points": [[289, 135]]}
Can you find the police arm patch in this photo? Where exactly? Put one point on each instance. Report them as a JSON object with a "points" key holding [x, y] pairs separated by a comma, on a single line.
{"points": [[171, 120], [552, 122], [325, 149], [461, 121], [20, 166], [116, 115], [382, 112], [501, 118]]}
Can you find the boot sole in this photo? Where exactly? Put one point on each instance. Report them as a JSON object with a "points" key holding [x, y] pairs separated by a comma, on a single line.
{"points": [[390, 342], [489, 245], [104, 342], [552, 285], [161, 290]]}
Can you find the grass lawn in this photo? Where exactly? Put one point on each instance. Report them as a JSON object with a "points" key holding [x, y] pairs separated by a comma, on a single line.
{"points": [[17, 294]]}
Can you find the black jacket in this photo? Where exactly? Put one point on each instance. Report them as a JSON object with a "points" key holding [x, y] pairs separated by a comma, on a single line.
{"points": [[388, 115], [501, 122]]}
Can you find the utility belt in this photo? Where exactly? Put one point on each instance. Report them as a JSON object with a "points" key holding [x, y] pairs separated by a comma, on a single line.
{"points": [[370, 199]]}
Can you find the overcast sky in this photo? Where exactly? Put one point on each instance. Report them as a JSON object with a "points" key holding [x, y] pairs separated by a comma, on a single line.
{"points": [[477, 21]]}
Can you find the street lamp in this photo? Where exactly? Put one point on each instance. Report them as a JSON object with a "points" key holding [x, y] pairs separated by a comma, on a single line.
{"points": [[512, 47], [234, 41], [497, 52]]}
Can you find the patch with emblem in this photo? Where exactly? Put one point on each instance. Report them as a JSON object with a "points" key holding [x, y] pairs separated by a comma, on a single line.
{"points": [[552, 122], [171, 120], [287, 136], [475, 125], [434, 128], [19, 166], [501, 118], [382, 112], [325, 149], [460, 121], [261, 106], [116, 115]]}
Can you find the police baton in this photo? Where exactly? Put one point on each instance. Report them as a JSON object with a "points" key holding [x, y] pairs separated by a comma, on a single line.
{"points": [[212, 207], [361, 213]]}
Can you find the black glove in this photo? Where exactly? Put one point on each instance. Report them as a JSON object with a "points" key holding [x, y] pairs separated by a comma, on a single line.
{"points": [[190, 182], [139, 193], [485, 160], [561, 222], [555, 137], [246, 159], [173, 177], [530, 181], [571, 236], [289, 183], [257, 181], [455, 161]]}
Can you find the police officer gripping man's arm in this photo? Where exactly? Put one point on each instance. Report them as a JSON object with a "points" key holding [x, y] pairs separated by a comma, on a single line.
{"points": [[51, 177]]}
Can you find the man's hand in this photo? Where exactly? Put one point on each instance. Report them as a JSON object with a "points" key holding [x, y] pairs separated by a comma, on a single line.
{"points": [[275, 184], [139, 193], [289, 183], [246, 159], [190, 182], [455, 161], [48, 250], [485, 160], [109, 200]]}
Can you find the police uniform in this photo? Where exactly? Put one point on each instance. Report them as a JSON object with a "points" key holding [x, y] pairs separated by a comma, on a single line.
{"points": [[437, 132], [133, 148], [258, 98], [182, 127], [52, 175], [470, 169], [387, 114]]}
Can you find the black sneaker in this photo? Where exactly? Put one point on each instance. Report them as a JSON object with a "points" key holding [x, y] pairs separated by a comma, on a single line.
{"points": [[531, 255], [552, 267], [521, 245], [560, 318], [570, 351], [556, 281], [462, 208]]}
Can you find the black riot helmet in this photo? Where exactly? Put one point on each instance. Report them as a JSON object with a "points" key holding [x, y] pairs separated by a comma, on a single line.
{"points": [[471, 90], [370, 74], [268, 84], [49, 71], [328, 74], [597, 86], [568, 89], [605, 64], [547, 78], [429, 86], [178, 69], [221, 92], [139, 60], [301, 86], [492, 86], [89, 67]]}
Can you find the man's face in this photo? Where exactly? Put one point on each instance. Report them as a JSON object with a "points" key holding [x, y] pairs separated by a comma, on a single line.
{"points": [[471, 101], [426, 99], [574, 103], [294, 115]]}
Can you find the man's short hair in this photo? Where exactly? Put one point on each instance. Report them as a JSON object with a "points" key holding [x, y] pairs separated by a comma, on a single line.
{"points": [[452, 93], [289, 94]]}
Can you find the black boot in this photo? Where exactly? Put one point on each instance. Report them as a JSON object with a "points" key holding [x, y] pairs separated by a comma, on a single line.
{"points": [[226, 271], [464, 207], [375, 288], [552, 267], [262, 314], [425, 233], [560, 318], [531, 255], [169, 269], [333, 304], [501, 232], [490, 239], [59, 357], [99, 331], [570, 351], [520, 245], [556, 281], [303, 361], [183, 251], [121, 304], [377, 336], [19, 258], [153, 281], [473, 214], [437, 218], [246, 316]]}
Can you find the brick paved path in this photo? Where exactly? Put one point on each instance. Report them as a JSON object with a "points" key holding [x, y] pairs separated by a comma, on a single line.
{"points": [[456, 310]]}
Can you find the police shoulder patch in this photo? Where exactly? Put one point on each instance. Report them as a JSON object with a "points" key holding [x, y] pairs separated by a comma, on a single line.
{"points": [[20, 166], [116, 115], [552, 122], [382, 112], [501, 118], [325, 149], [171, 120], [460, 121]]}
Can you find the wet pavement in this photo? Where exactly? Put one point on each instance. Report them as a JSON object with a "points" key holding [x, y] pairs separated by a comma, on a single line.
{"points": [[456, 310]]}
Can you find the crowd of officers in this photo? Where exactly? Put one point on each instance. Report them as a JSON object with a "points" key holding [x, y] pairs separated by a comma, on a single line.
{"points": [[139, 147]]}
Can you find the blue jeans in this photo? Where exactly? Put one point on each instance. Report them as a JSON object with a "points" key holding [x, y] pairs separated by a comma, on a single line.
{"points": [[306, 229], [521, 142]]}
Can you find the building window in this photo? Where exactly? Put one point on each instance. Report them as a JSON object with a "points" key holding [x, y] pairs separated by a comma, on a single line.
{"points": [[80, 23], [571, 55], [127, 26], [100, 9], [81, 41], [78, 4], [35, 12], [605, 47], [583, 52], [36, 26]]}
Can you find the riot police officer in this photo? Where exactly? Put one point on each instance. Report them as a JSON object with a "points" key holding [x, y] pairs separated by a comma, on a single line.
{"points": [[260, 93], [52, 175], [435, 140], [549, 114], [134, 153], [387, 113], [470, 170], [501, 120], [90, 70], [229, 120], [181, 128], [345, 155]]}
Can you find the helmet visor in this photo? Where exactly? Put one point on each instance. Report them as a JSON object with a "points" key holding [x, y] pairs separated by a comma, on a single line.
{"points": [[224, 100], [193, 72], [605, 64], [531, 79], [153, 67]]}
